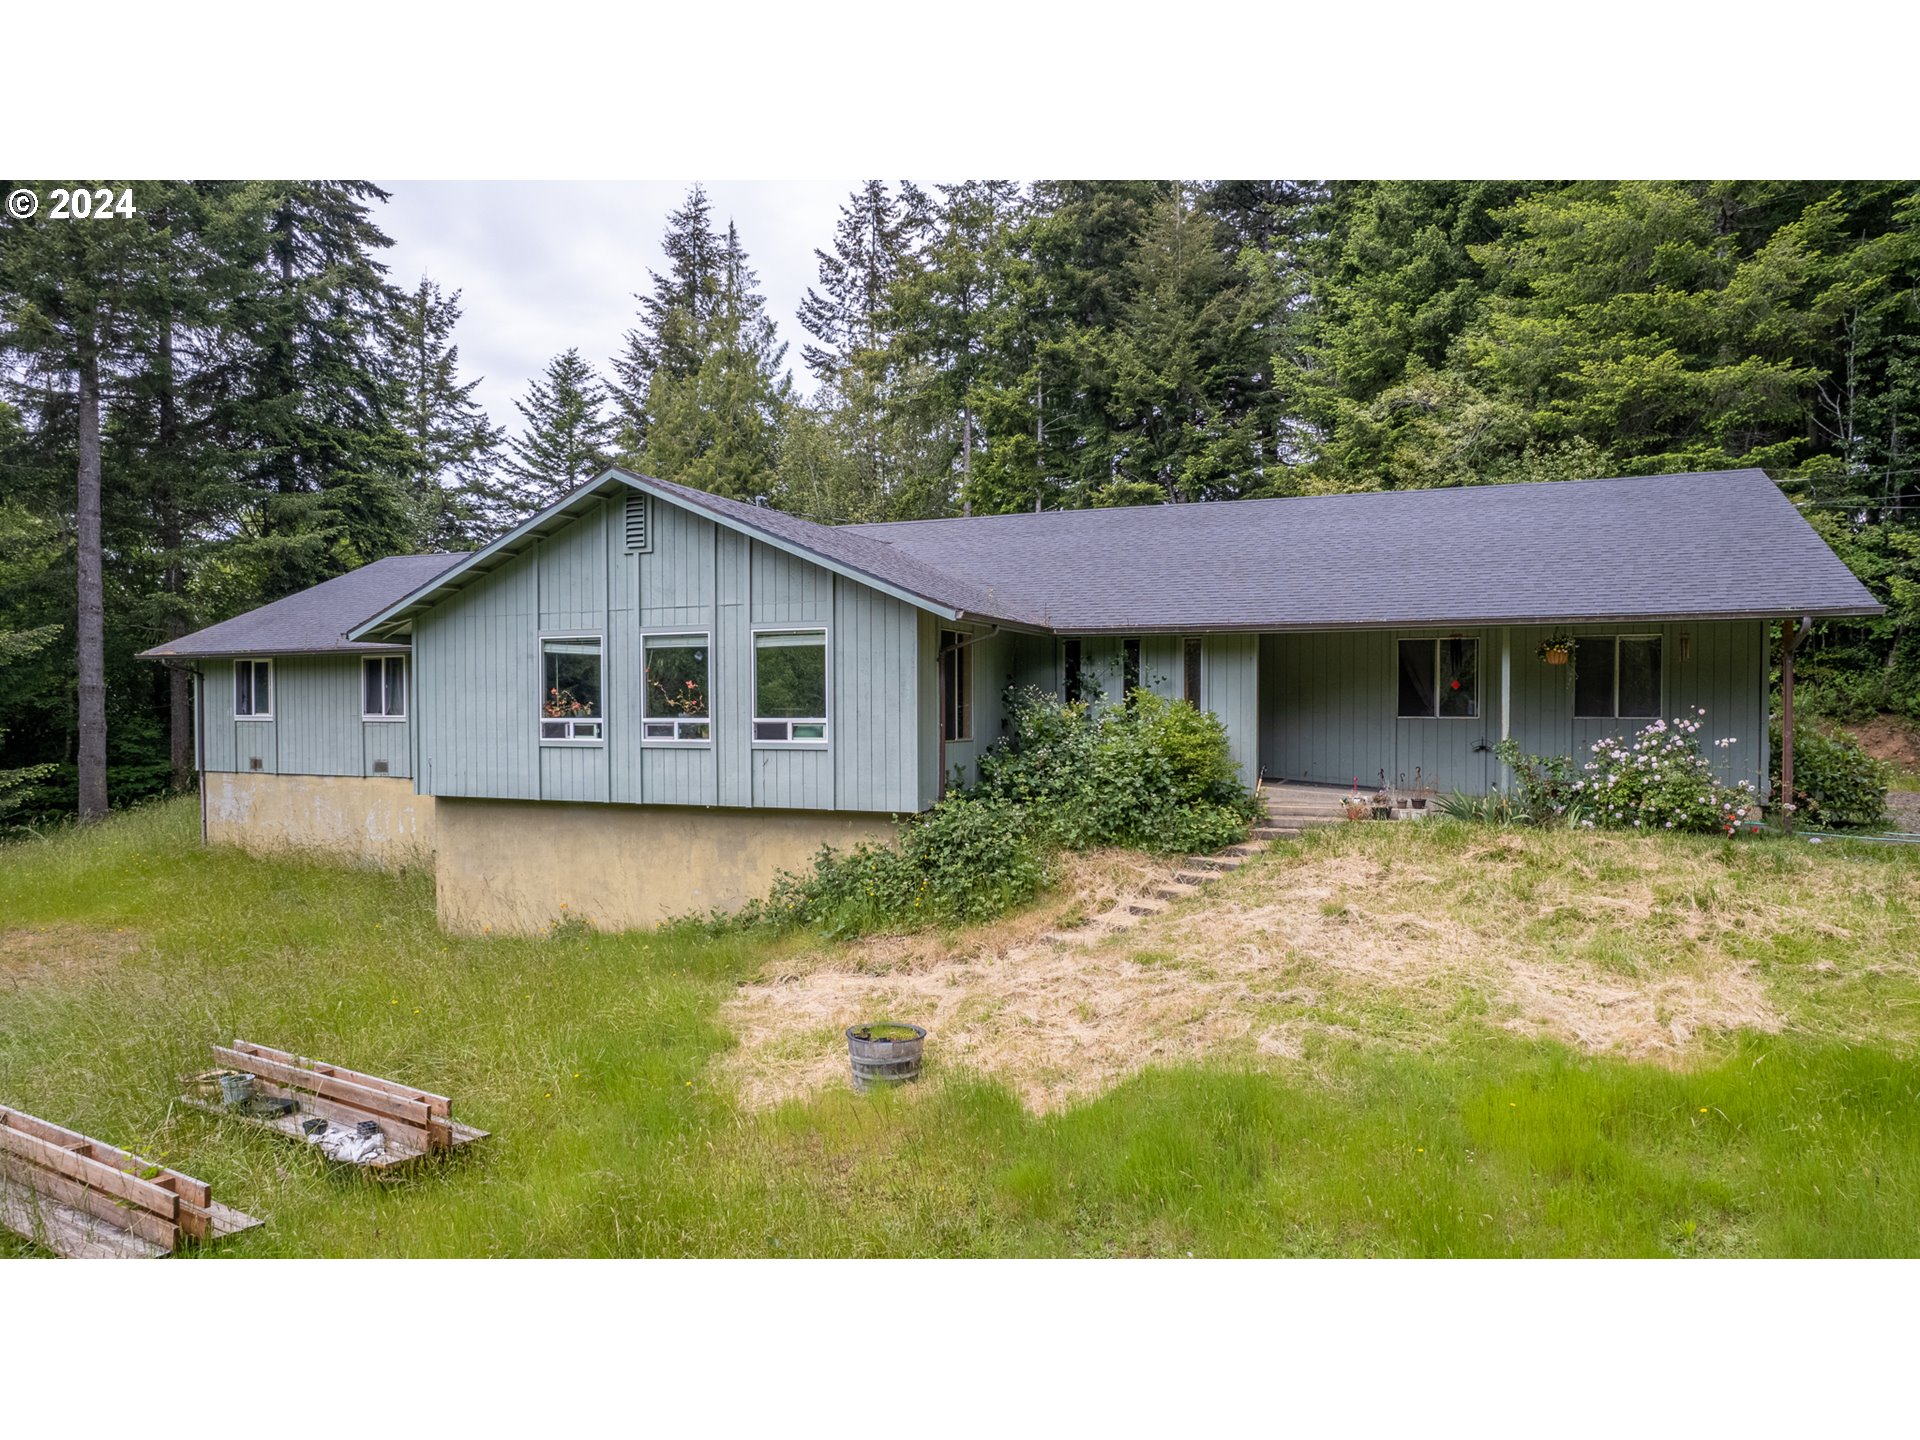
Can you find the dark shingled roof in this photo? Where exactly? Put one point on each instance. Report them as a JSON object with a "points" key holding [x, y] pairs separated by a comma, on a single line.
{"points": [[1724, 544], [313, 621]]}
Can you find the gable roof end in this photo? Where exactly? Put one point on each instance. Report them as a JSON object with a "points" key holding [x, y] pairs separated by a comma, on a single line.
{"points": [[859, 557]]}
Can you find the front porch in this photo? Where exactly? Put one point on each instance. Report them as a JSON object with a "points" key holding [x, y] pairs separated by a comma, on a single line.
{"points": [[1426, 707]]}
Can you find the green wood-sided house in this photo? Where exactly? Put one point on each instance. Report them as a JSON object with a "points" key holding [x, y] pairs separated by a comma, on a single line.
{"points": [[645, 699]]}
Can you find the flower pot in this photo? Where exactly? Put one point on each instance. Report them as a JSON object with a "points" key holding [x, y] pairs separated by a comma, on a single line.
{"points": [[1557, 657], [884, 1053], [235, 1089]]}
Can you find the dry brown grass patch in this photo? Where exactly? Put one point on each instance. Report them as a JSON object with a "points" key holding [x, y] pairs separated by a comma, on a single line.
{"points": [[32, 954], [1621, 945]]}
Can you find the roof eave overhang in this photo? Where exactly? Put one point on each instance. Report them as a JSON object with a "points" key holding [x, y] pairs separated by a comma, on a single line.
{"points": [[1241, 627], [276, 652]]}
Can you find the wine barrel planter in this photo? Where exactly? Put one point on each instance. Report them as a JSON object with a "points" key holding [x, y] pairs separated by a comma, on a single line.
{"points": [[884, 1053]]}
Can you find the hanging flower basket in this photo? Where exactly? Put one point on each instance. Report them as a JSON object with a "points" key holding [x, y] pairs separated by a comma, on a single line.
{"points": [[1556, 649]]}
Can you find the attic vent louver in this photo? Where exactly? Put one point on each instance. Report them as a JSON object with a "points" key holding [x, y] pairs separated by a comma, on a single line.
{"points": [[639, 526]]}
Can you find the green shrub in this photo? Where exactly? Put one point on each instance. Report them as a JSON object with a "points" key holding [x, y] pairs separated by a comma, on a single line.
{"points": [[1154, 775], [1545, 788], [1835, 781], [964, 860], [1657, 780]]}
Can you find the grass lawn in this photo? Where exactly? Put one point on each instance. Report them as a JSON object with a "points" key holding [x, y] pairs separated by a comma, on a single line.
{"points": [[599, 1063]]}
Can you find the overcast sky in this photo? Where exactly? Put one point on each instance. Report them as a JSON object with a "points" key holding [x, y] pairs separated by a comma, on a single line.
{"points": [[548, 265]]}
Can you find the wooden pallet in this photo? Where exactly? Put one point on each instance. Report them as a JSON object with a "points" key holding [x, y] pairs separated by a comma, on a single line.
{"points": [[85, 1199], [415, 1122]]}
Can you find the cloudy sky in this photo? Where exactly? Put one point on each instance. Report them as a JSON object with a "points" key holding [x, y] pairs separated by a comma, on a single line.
{"points": [[547, 265]]}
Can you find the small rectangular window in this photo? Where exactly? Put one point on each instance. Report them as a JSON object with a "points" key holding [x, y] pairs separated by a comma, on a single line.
{"points": [[678, 669], [956, 686], [1129, 667], [570, 696], [1440, 679], [1070, 670], [1616, 677], [790, 686], [1191, 654], [383, 687], [253, 689]]}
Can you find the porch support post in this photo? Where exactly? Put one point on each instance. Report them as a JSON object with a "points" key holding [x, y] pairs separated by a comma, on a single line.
{"points": [[1506, 693], [1789, 638]]}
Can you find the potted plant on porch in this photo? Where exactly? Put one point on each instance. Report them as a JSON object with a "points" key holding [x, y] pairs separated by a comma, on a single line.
{"points": [[1556, 649]]}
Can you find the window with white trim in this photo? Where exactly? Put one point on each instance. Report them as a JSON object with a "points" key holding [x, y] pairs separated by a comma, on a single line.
{"points": [[790, 686], [383, 687], [1616, 677], [253, 689], [570, 690], [676, 670], [1440, 679]]}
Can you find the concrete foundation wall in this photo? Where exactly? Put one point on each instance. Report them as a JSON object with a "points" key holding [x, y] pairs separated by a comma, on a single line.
{"points": [[510, 866], [375, 820]]}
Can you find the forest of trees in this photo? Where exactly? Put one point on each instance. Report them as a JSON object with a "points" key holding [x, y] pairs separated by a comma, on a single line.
{"points": [[226, 399]]}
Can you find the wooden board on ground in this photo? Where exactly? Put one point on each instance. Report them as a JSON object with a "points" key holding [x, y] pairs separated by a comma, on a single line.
{"points": [[82, 1197], [414, 1122]]}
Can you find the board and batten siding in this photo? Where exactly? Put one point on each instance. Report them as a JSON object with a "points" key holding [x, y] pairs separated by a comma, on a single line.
{"points": [[1329, 701], [1229, 685], [478, 658], [317, 726]]}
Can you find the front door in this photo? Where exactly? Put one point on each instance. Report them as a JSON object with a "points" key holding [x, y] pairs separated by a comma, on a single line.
{"points": [[1446, 711]]}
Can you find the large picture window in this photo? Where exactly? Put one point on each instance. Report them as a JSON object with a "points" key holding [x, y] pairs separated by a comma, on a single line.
{"points": [[790, 686], [253, 689], [956, 686], [1616, 677], [1440, 679], [677, 670], [570, 690], [383, 687]]}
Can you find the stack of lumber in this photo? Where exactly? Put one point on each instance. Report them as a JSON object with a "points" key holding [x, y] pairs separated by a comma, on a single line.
{"points": [[83, 1198], [414, 1122]]}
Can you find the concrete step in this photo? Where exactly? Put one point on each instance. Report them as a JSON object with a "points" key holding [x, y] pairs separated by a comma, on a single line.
{"points": [[1216, 863], [1143, 908], [1193, 877], [1275, 832]]}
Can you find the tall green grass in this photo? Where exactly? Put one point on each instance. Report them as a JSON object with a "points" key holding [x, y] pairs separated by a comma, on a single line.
{"points": [[589, 1058]]}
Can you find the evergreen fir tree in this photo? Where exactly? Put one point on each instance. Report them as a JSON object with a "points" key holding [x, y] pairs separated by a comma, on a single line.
{"points": [[675, 315], [567, 436], [455, 448], [944, 313], [718, 427], [874, 245], [310, 395]]}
